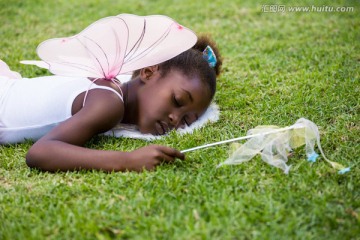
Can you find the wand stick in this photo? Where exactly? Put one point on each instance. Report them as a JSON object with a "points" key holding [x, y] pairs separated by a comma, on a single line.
{"points": [[240, 138]]}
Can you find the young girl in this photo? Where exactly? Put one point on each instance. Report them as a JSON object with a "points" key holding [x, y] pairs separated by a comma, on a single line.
{"points": [[158, 99]]}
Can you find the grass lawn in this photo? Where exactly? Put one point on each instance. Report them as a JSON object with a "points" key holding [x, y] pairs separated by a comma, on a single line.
{"points": [[278, 67]]}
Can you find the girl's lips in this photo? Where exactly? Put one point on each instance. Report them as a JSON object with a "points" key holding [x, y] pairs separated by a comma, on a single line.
{"points": [[162, 127], [159, 128]]}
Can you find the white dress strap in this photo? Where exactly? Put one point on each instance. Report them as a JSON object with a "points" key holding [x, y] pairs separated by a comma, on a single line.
{"points": [[103, 87], [110, 89]]}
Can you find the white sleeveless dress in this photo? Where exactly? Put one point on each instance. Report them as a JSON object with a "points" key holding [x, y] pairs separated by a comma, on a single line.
{"points": [[31, 107]]}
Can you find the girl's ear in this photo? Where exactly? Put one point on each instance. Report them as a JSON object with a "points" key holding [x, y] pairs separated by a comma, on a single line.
{"points": [[148, 73]]}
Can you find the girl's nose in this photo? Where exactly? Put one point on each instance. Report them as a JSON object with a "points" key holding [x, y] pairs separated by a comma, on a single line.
{"points": [[175, 119]]}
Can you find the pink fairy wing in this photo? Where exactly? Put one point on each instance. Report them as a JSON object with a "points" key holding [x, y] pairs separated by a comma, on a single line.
{"points": [[153, 40], [116, 45], [40, 64], [98, 51], [6, 72]]}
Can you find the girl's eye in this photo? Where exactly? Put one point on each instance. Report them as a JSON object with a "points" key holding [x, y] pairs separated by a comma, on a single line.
{"points": [[176, 101]]}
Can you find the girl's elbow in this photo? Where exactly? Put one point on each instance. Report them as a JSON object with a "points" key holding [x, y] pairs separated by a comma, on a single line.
{"points": [[33, 157]]}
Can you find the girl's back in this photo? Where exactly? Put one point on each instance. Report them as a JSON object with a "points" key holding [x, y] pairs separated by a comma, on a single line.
{"points": [[30, 107]]}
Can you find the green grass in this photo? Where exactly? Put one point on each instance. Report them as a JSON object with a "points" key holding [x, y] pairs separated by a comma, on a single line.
{"points": [[277, 68]]}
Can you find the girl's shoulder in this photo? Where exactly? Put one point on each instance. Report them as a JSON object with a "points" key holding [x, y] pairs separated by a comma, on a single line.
{"points": [[101, 110]]}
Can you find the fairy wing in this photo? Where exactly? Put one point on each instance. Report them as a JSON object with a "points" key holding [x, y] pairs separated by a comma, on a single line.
{"points": [[115, 45], [154, 39], [98, 51], [6, 72]]}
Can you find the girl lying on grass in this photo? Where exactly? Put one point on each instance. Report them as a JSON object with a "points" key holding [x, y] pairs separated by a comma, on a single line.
{"points": [[63, 113]]}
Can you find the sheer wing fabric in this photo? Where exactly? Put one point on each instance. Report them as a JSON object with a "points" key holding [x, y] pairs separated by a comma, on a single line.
{"points": [[115, 45]]}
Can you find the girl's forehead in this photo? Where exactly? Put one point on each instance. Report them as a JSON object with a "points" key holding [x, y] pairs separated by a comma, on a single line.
{"points": [[190, 82], [178, 77]]}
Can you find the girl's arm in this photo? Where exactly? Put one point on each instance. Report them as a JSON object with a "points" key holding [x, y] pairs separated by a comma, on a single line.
{"points": [[61, 149]]}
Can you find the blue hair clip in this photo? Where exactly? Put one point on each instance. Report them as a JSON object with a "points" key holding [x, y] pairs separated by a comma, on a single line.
{"points": [[209, 56]]}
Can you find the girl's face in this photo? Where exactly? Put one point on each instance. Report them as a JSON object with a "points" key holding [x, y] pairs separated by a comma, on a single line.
{"points": [[170, 101]]}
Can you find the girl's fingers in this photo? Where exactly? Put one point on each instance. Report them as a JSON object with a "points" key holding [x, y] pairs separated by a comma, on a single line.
{"points": [[170, 153], [166, 158]]}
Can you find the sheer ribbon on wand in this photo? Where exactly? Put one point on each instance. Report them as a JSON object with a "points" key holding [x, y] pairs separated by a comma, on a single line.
{"points": [[274, 145]]}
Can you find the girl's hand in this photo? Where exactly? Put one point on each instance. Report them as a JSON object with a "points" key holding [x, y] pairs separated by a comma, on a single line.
{"points": [[150, 156]]}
